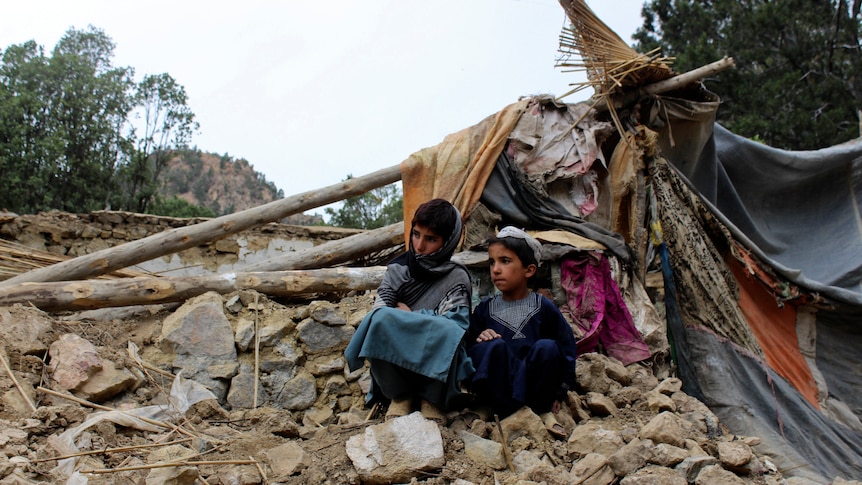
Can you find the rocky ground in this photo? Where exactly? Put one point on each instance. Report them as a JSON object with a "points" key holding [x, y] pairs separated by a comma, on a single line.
{"points": [[263, 394], [97, 393]]}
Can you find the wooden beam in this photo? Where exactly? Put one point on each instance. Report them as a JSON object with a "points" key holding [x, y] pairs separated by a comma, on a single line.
{"points": [[334, 252], [181, 238], [90, 294]]}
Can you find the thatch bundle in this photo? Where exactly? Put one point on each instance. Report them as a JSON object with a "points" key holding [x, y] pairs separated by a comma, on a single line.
{"points": [[16, 259], [589, 45]]}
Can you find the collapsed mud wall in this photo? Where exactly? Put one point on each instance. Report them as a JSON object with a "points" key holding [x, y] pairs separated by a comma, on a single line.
{"points": [[70, 235]]}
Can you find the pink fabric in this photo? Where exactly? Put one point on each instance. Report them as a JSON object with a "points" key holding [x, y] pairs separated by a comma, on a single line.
{"points": [[596, 306]]}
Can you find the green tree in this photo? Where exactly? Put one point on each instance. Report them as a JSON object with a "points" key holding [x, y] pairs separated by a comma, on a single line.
{"points": [[376, 208], [168, 124], [25, 154], [798, 77], [177, 207], [89, 104]]}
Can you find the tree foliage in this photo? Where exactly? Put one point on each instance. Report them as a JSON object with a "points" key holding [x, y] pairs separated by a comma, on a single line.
{"points": [[798, 77], [67, 138], [376, 208]]}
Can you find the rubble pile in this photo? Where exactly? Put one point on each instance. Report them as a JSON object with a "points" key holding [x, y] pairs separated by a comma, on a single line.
{"points": [[241, 389]]}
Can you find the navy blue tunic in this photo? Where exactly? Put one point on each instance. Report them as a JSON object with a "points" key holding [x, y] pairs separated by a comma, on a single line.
{"points": [[532, 364]]}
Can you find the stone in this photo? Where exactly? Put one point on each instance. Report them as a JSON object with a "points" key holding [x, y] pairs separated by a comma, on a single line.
{"points": [[319, 338], [716, 475], [600, 405], [201, 339], [690, 467], [658, 402], [654, 475], [733, 454], [288, 459], [297, 394], [593, 438], [397, 450], [642, 378], [241, 392], [592, 468], [273, 330], [591, 374], [631, 457], [107, 382], [244, 334], [667, 455], [483, 451], [527, 462], [73, 361], [667, 428], [525, 423], [325, 312], [25, 330], [317, 416], [669, 386], [336, 386], [323, 365]]}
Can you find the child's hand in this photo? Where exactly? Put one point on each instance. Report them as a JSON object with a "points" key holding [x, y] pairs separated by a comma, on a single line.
{"points": [[402, 306], [486, 335], [555, 408]]}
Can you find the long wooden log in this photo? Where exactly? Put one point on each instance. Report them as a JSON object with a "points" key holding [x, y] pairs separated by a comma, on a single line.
{"points": [[90, 294], [181, 238], [335, 252], [669, 84]]}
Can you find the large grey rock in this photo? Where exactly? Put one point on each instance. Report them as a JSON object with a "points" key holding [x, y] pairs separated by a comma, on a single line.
{"points": [[325, 312], [319, 338], [397, 450], [691, 467], [202, 341], [241, 393], [297, 394]]}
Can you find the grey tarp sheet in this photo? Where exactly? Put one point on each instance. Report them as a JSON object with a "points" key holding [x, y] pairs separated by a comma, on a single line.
{"points": [[798, 211]]}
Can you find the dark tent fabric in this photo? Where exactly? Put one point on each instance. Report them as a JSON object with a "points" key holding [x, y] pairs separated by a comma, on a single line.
{"points": [[798, 213]]}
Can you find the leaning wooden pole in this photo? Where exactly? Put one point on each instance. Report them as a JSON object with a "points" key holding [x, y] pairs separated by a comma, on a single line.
{"points": [[335, 252], [181, 238], [98, 293]]}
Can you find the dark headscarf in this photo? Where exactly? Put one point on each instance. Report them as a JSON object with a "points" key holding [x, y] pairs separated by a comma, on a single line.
{"points": [[437, 264]]}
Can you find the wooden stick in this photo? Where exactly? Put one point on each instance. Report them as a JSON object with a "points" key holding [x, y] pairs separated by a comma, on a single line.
{"points": [[505, 439], [169, 464], [113, 450], [89, 294], [256, 350], [175, 240], [15, 381], [93, 405], [260, 470]]}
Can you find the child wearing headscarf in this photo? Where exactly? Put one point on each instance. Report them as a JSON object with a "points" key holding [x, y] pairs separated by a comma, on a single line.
{"points": [[522, 347], [414, 335]]}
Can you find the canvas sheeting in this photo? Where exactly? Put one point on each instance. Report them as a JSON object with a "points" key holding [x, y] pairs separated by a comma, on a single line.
{"points": [[761, 250]]}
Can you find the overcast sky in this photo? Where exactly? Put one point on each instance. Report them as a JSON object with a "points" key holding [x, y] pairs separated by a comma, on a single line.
{"points": [[311, 91]]}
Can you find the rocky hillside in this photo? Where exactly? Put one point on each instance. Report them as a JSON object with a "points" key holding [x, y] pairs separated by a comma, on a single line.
{"points": [[219, 182]]}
